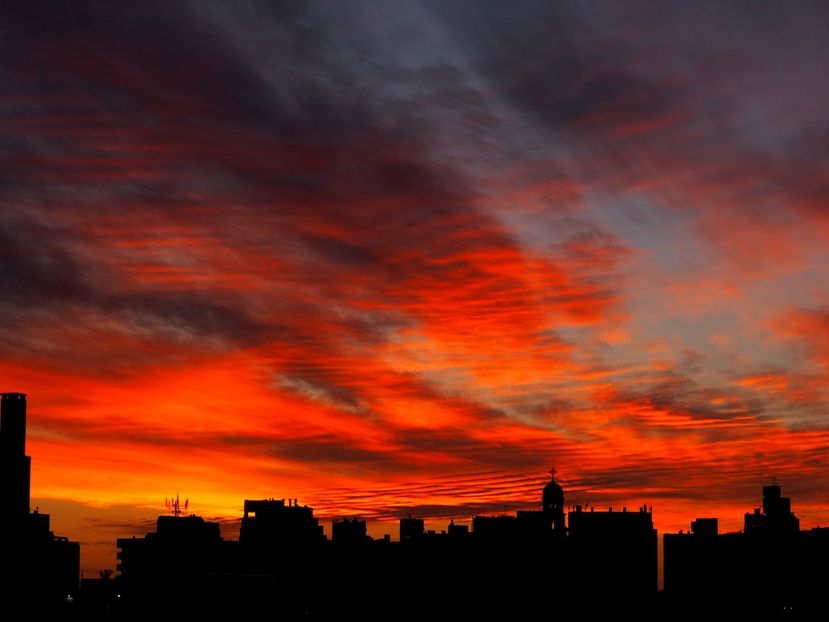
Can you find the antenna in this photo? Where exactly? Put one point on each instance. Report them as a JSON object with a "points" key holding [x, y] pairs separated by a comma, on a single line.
{"points": [[174, 506]]}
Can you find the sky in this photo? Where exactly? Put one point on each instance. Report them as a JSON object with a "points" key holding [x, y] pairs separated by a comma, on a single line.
{"points": [[397, 258]]}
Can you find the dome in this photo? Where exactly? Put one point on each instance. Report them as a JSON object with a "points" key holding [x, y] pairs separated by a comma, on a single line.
{"points": [[552, 503], [553, 495]]}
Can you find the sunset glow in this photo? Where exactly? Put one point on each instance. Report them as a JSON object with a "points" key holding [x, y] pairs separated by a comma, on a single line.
{"points": [[398, 258]]}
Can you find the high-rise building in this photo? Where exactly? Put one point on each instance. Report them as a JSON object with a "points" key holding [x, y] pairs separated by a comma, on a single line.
{"points": [[35, 565], [777, 516], [15, 465]]}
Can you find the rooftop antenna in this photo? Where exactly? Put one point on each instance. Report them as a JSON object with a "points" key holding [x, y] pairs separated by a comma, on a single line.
{"points": [[174, 506]]}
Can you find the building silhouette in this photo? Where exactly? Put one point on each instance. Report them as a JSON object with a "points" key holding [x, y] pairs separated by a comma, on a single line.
{"points": [[411, 528], [16, 465], [771, 568], [36, 567], [349, 532], [618, 550], [457, 532], [180, 545], [533, 564], [552, 504], [506, 565], [271, 524], [776, 518], [705, 527], [173, 564], [186, 561]]}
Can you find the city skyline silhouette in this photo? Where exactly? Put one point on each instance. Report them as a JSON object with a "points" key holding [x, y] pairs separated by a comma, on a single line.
{"points": [[556, 551], [380, 529]]}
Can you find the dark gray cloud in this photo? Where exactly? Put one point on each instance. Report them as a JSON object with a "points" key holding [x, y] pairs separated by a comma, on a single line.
{"points": [[320, 384], [558, 63], [48, 277]]}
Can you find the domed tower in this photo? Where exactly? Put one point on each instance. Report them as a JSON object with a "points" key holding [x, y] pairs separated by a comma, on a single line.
{"points": [[552, 504]]}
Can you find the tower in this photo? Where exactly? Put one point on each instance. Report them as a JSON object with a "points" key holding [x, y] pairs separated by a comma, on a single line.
{"points": [[552, 504], [35, 565], [777, 517], [15, 465]]}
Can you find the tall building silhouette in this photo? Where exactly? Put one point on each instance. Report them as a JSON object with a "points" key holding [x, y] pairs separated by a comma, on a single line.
{"points": [[15, 465], [36, 567], [777, 516]]}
